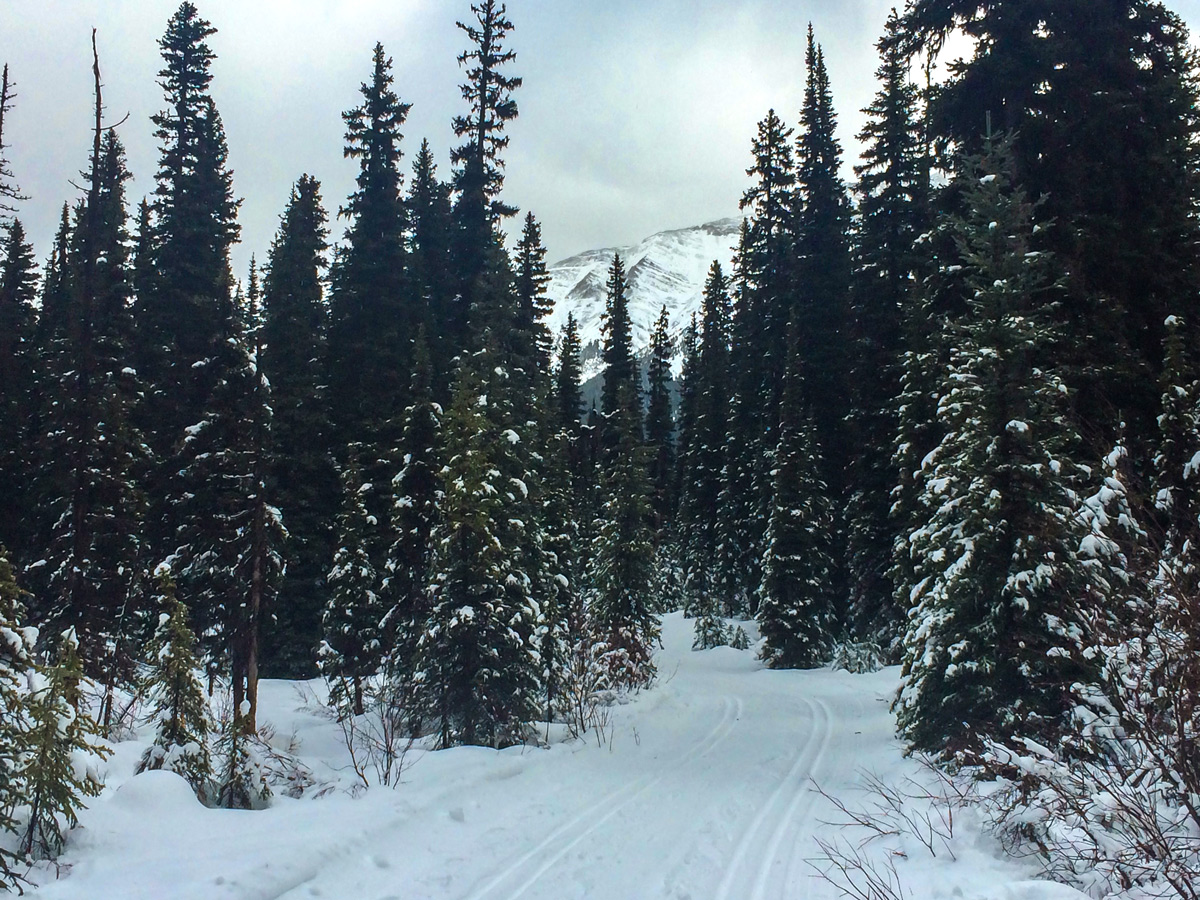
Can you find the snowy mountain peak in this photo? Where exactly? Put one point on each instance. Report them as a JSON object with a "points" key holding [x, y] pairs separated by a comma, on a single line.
{"points": [[668, 268]]}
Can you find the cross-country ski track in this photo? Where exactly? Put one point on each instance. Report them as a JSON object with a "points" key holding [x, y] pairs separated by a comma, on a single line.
{"points": [[703, 790]]}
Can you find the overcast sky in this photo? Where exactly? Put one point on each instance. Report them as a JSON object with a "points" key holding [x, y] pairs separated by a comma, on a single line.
{"points": [[635, 116]]}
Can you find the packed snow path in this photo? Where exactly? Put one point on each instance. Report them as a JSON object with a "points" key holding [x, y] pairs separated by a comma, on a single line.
{"points": [[706, 793]]}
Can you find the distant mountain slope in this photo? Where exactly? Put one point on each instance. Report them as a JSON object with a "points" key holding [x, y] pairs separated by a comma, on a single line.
{"points": [[668, 268]]}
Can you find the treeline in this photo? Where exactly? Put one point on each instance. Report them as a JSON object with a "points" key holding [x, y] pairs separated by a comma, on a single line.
{"points": [[933, 417]]}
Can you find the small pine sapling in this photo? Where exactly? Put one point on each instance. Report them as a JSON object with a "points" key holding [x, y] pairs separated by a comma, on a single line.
{"points": [[60, 731], [738, 639], [710, 632], [242, 778], [16, 665], [179, 707]]}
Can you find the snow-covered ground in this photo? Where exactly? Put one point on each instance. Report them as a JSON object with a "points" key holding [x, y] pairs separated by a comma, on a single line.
{"points": [[704, 792]]}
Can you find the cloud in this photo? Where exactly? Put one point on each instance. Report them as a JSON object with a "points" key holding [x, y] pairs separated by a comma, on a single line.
{"points": [[635, 116]]}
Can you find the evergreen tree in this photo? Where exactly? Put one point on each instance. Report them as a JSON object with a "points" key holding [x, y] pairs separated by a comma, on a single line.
{"points": [[142, 259], [1177, 499], [373, 314], [1065, 83], [185, 312], [893, 187], [56, 284], [430, 229], [89, 485], [621, 379], [178, 705], [302, 480], [352, 648], [417, 492], [687, 513], [477, 668], [533, 348], [1004, 577], [622, 567], [10, 192], [796, 599], [18, 290], [16, 666], [766, 272], [764, 282], [561, 558], [54, 787], [241, 777], [231, 533], [478, 164], [660, 426], [568, 400], [709, 396], [822, 279]]}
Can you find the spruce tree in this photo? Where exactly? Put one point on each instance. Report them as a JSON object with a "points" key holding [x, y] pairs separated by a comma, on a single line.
{"points": [[56, 284], [178, 705], [184, 314], [16, 667], [431, 274], [231, 537], [996, 633], [766, 272], [478, 163], [10, 192], [352, 646], [90, 484], [241, 777], [1176, 462], [568, 374], [1065, 83], [622, 383], [621, 575], [893, 186], [303, 481], [373, 312], [660, 426], [53, 788], [822, 278], [477, 670], [534, 344], [417, 491], [688, 510], [709, 396], [796, 597], [761, 312], [18, 291]]}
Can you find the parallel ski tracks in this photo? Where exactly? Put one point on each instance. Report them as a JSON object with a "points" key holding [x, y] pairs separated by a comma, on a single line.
{"points": [[534, 863], [777, 817]]}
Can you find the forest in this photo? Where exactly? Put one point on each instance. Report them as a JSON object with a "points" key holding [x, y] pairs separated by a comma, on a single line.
{"points": [[942, 415]]}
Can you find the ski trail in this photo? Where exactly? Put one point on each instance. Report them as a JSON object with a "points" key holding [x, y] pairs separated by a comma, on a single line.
{"points": [[803, 762], [615, 801], [804, 797]]}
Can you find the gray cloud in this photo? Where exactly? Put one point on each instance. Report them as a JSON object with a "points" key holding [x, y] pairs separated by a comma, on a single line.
{"points": [[635, 116]]}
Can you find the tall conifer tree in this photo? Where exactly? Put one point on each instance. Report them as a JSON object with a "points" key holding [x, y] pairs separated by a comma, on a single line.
{"points": [[373, 315], [185, 313], [893, 186], [303, 481], [660, 426], [796, 598], [18, 291], [478, 161], [999, 612]]}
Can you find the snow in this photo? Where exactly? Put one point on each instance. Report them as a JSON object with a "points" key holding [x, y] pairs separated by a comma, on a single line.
{"points": [[701, 788], [666, 269]]}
